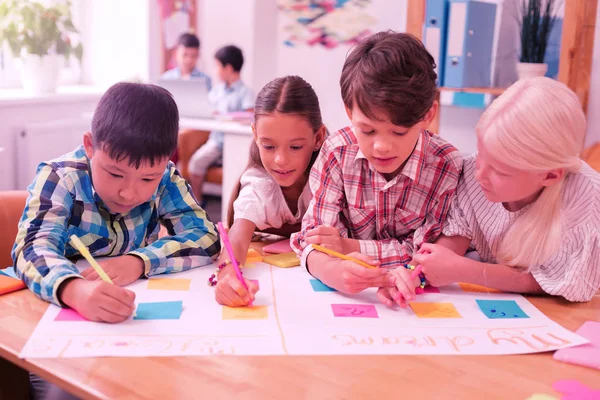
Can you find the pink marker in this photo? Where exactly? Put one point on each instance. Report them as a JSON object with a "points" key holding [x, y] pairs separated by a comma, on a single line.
{"points": [[229, 250]]}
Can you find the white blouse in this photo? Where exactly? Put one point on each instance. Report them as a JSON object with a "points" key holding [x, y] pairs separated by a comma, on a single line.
{"points": [[262, 202], [573, 271]]}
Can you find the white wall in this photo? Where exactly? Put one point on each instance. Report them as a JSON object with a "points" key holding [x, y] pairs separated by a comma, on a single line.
{"points": [[220, 26], [322, 67], [118, 33], [593, 132]]}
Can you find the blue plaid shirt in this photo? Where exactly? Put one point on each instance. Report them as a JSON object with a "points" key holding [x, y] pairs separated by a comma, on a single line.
{"points": [[62, 202]]}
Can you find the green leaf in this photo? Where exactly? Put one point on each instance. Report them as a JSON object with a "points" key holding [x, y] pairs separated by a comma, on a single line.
{"points": [[29, 25]]}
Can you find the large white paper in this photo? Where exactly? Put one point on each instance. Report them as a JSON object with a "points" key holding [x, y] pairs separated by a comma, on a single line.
{"points": [[299, 321]]}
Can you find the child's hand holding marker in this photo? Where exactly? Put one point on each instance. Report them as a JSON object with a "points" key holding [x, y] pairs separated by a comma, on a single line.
{"points": [[98, 300], [229, 291], [352, 273], [440, 264]]}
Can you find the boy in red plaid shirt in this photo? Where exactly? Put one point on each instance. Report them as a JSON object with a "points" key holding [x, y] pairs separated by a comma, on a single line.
{"points": [[382, 186]]}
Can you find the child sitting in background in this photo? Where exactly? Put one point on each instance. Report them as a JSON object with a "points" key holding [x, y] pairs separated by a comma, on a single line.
{"points": [[383, 186], [186, 57], [526, 202], [113, 192], [273, 192], [229, 95]]}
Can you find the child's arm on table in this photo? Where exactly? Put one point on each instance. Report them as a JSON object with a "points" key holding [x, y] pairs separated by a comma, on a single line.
{"points": [[443, 263], [192, 240], [347, 276], [40, 262], [229, 291]]}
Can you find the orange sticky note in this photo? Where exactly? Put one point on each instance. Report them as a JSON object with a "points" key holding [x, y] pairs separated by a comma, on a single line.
{"points": [[255, 312], [250, 265], [168, 284], [8, 284], [471, 287], [253, 256], [434, 310]]}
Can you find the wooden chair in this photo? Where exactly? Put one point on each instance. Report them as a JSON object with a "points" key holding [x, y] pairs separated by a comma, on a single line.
{"points": [[14, 381], [189, 141], [12, 203]]}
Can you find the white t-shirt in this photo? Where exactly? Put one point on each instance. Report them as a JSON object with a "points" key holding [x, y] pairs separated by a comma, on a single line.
{"points": [[573, 271], [262, 202]]}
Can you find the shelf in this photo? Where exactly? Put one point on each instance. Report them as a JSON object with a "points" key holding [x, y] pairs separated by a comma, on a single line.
{"points": [[493, 91]]}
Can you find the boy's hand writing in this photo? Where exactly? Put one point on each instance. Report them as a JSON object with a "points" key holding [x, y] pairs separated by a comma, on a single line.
{"points": [[329, 237], [97, 300], [230, 291], [349, 277], [122, 270], [439, 264]]}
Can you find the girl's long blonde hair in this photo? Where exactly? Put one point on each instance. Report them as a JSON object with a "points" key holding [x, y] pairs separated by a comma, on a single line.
{"points": [[536, 125]]}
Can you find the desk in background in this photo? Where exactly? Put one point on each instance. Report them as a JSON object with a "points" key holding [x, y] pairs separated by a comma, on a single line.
{"points": [[236, 146]]}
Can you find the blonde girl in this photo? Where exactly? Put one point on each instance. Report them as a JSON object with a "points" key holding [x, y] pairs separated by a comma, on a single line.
{"points": [[526, 202]]}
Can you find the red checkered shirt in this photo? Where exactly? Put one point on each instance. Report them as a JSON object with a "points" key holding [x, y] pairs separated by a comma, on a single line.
{"points": [[390, 219]]}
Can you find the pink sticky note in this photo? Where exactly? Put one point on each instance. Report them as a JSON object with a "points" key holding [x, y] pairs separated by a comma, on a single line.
{"points": [[574, 390], [354, 310], [278, 247], [68, 314], [428, 289], [255, 281], [587, 355]]}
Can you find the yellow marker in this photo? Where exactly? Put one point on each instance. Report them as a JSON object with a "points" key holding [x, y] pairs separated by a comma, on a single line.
{"points": [[78, 244], [342, 256]]}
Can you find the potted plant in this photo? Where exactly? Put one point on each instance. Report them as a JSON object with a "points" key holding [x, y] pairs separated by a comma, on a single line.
{"points": [[39, 36], [536, 20]]}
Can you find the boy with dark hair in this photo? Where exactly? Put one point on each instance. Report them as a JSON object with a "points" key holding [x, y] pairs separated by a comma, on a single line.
{"points": [[113, 192], [229, 95], [383, 186], [186, 57]]}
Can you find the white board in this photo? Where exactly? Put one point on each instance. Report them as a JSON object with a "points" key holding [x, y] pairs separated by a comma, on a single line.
{"points": [[299, 321]]}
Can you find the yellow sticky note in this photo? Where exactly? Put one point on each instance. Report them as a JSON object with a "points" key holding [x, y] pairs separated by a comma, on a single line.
{"points": [[253, 256], [168, 284], [471, 287], [254, 312], [250, 265], [283, 260], [434, 310]]}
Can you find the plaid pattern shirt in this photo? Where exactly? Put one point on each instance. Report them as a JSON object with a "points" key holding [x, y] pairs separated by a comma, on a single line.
{"points": [[390, 219], [62, 202]]}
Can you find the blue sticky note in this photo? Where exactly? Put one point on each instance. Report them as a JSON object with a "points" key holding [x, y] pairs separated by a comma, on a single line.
{"points": [[500, 309], [10, 271], [319, 286], [160, 310]]}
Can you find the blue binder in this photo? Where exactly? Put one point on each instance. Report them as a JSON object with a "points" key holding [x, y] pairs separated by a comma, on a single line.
{"points": [[434, 35], [470, 37]]}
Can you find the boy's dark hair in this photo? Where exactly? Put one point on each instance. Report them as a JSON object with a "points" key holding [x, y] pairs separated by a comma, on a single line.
{"points": [[136, 121], [392, 73], [231, 55], [189, 40]]}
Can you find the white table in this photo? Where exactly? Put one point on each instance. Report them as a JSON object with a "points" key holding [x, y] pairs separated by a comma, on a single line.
{"points": [[237, 138]]}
